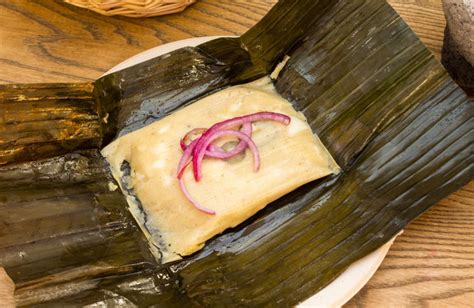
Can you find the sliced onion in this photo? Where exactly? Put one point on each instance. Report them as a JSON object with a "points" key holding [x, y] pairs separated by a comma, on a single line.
{"points": [[202, 147], [229, 132], [215, 151], [198, 153], [187, 139], [186, 158], [218, 152]]}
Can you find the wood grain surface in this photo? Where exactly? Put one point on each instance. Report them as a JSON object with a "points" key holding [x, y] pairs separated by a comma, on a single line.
{"points": [[431, 264]]}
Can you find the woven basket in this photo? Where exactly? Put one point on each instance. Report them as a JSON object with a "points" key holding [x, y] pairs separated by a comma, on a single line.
{"points": [[133, 8]]}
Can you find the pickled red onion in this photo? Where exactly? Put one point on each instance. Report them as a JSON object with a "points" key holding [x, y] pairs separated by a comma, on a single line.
{"points": [[202, 146], [199, 151], [215, 151]]}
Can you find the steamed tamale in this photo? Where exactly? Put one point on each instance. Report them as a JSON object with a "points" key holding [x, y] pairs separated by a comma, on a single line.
{"points": [[290, 156], [394, 121]]}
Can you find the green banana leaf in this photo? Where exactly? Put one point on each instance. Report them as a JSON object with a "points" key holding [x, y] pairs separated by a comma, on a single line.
{"points": [[388, 112]]}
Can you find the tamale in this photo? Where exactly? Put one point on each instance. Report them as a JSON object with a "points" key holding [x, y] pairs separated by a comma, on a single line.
{"points": [[146, 171], [394, 121]]}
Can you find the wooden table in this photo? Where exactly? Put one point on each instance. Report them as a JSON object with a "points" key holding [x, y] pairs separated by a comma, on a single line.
{"points": [[432, 263]]}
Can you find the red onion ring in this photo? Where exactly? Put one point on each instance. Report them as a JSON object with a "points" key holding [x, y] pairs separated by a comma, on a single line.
{"points": [[215, 151], [198, 152], [203, 147], [185, 160], [229, 132], [218, 152], [187, 138], [210, 148]]}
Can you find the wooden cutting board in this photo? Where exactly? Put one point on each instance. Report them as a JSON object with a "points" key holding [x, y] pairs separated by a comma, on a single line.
{"points": [[431, 264]]}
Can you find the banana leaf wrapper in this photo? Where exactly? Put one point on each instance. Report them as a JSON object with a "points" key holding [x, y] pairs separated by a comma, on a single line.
{"points": [[44, 120], [390, 115]]}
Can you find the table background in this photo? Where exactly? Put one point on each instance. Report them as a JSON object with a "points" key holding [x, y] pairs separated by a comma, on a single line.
{"points": [[431, 264]]}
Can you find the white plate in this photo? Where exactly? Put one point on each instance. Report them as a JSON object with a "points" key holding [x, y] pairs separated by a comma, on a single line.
{"points": [[344, 287]]}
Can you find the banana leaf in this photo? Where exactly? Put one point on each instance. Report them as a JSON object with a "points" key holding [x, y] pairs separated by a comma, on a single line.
{"points": [[385, 108], [62, 224], [43, 120]]}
